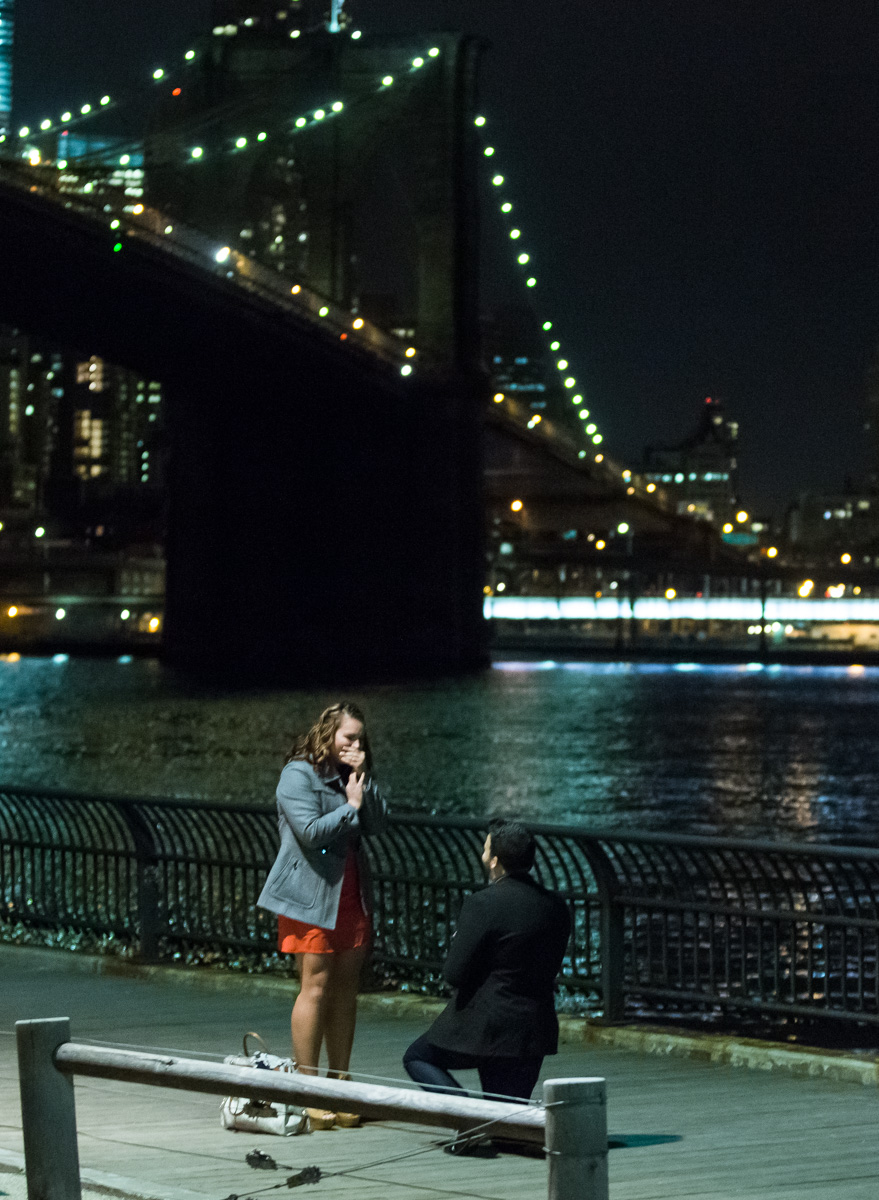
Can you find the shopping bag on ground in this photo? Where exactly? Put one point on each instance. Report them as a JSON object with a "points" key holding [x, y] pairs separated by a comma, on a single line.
{"points": [[261, 1116]]}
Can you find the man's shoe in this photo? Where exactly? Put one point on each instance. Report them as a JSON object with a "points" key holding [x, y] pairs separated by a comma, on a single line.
{"points": [[475, 1147]]}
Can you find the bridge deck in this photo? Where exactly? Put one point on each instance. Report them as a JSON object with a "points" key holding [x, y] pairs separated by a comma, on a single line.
{"points": [[683, 1129]]}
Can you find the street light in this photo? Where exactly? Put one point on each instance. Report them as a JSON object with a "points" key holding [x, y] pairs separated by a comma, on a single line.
{"points": [[741, 517]]}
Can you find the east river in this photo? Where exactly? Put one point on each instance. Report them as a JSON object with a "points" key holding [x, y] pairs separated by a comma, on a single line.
{"points": [[778, 751]]}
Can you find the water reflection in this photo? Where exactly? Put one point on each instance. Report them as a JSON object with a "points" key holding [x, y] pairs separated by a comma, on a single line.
{"points": [[784, 751]]}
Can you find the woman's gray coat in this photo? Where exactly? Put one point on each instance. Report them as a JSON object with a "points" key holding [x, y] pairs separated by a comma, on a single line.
{"points": [[317, 826]]}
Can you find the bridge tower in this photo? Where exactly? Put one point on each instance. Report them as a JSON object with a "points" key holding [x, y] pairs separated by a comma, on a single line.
{"points": [[369, 522]]}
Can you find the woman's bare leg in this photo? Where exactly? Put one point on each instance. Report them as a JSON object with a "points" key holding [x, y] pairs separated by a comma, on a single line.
{"points": [[341, 1008], [308, 1021]]}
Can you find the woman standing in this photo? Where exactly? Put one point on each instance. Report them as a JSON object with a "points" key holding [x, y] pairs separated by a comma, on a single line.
{"points": [[318, 885]]}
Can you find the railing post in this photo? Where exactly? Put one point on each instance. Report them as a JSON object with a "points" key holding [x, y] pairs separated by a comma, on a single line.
{"points": [[611, 931], [576, 1138], [146, 859], [48, 1115]]}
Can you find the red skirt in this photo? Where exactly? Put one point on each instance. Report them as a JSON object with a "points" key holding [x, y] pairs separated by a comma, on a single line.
{"points": [[353, 926]]}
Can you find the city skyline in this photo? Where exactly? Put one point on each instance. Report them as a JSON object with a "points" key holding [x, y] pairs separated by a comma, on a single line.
{"points": [[676, 148]]}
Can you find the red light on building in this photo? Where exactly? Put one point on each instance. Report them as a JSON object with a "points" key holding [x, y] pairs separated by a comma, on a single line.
{"points": [[177, 91]]}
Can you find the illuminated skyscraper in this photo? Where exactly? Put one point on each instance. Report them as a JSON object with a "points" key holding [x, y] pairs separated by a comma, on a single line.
{"points": [[7, 26]]}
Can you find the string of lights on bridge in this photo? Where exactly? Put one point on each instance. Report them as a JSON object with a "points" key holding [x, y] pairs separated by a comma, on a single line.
{"points": [[304, 121]]}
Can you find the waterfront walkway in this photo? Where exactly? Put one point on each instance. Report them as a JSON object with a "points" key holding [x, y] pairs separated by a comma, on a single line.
{"points": [[679, 1128]]}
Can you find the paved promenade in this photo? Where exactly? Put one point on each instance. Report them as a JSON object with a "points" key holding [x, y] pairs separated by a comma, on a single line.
{"points": [[679, 1128]]}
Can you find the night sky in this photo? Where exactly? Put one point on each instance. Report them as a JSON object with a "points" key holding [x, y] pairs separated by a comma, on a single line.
{"points": [[696, 182]]}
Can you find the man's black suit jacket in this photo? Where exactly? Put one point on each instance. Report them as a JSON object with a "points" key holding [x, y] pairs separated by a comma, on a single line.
{"points": [[503, 962]]}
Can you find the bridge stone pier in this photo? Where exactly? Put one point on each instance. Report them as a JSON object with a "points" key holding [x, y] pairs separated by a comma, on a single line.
{"points": [[324, 512]]}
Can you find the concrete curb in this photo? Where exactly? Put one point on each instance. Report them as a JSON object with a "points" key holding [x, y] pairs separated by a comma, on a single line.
{"points": [[722, 1049], [103, 1183]]}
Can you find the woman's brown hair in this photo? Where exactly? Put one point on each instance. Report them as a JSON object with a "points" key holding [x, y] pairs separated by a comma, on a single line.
{"points": [[316, 746]]}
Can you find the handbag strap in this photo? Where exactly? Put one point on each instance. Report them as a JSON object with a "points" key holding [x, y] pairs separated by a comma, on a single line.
{"points": [[257, 1038]]}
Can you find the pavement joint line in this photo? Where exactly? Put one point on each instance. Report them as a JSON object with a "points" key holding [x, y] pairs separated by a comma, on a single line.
{"points": [[715, 1048], [105, 1183]]}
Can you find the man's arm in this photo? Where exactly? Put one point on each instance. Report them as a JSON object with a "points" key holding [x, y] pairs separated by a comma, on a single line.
{"points": [[469, 943]]}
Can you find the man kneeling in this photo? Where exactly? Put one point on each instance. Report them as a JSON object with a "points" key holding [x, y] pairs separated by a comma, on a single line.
{"points": [[505, 955]]}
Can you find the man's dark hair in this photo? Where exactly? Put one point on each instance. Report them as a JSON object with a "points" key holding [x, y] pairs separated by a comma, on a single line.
{"points": [[514, 846]]}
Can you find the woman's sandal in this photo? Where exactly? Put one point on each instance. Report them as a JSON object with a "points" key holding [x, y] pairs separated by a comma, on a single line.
{"points": [[321, 1118]]}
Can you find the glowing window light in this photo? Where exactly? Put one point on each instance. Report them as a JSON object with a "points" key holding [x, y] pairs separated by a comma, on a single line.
{"points": [[741, 517], [417, 62], [506, 207], [480, 121], [651, 487], [501, 587], [600, 544], [630, 491], [845, 558], [836, 591], [805, 588], [497, 180], [410, 352], [338, 106], [590, 429], [295, 289], [670, 593], [433, 52], [189, 55], [62, 162], [627, 474], [597, 439], [60, 614], [570, 382], [498, 397], [584, 414], [105, 100], [323, 312], [488, 151], [516, 505], [531, 281], [158, 73], [387, 80], [67, 116], [772, 552], [581, 454], [39, 532], [319, 114], [138, 209], [515, 233], [294, 33], [196, 152], [12, 611], [599, 458], [300, 121], [124, 160], [117, 248], [60, 658], [555, 345], [358, 324], [356, 35], [241, 142], [407, 370], [523, 258], [34, 158], [47, 124], [562, 364], [24, 131], [622, 527], [222, 255], [261, 137], [154, 624], [727, 528], [547, 324], [86, 108], [169, 229]]}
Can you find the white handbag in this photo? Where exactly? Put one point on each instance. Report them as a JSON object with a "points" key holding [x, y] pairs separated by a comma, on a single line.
{"points": [[261, 1116]]}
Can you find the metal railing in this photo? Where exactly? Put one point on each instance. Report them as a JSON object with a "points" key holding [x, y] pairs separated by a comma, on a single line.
{"points": [[668, 924]]}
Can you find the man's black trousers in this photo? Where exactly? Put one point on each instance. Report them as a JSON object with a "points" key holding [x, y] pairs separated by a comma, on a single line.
{"points": [[429, 1064]]}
